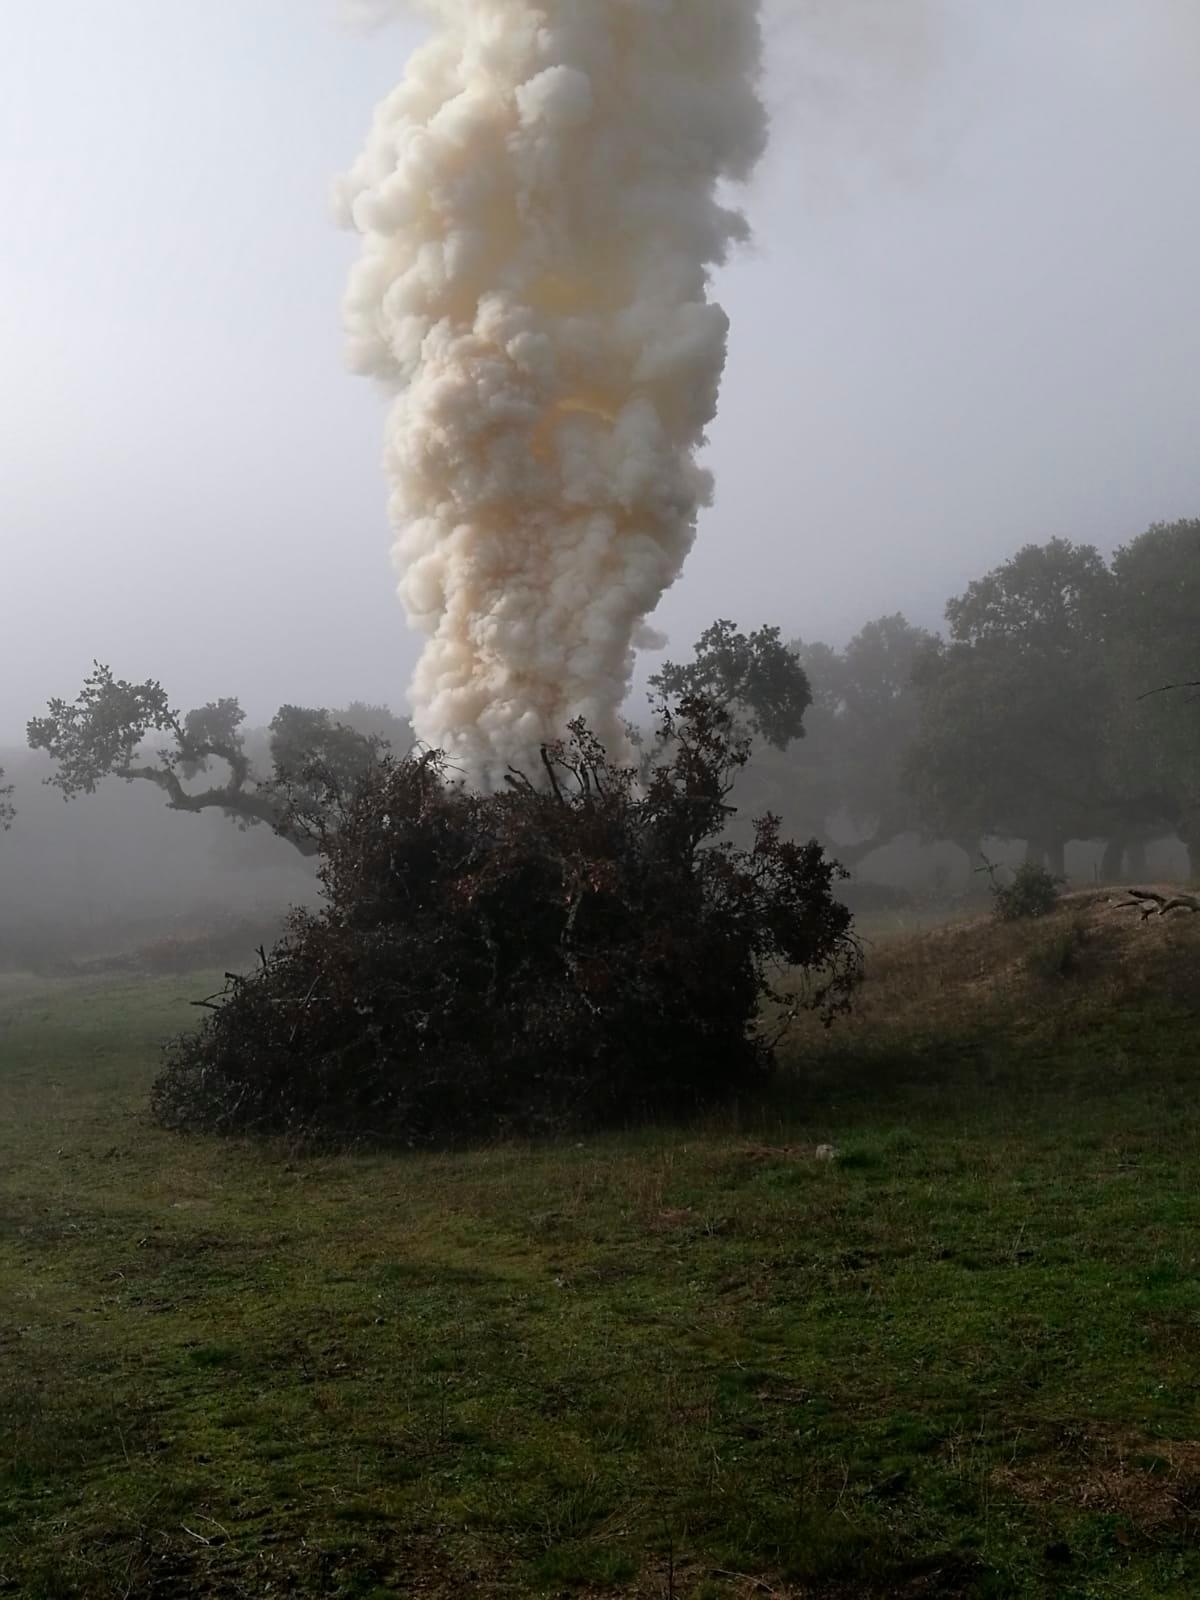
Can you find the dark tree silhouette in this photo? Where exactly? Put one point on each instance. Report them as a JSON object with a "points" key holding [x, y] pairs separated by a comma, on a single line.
{"points": [[847, 772], [756, 675], [104, 733], [1156, 744], [582, 946], [1016, 706]]}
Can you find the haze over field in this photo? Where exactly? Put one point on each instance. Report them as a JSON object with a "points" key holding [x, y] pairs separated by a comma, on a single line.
{"points": [[599, 798], [967, 321]]}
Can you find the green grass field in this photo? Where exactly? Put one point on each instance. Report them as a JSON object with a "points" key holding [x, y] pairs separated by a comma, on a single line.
{"points": [[963, 1359]]}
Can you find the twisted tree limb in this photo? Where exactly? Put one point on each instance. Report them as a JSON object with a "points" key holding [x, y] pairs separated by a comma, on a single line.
{"points": [[1168, 688], [1152, 904]]}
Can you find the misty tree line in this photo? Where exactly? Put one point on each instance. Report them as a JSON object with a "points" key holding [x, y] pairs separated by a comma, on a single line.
{"points": [[1036, 717]]}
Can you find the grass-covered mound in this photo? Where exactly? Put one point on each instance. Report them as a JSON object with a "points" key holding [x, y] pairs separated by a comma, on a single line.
{"points": [[567, 953]]}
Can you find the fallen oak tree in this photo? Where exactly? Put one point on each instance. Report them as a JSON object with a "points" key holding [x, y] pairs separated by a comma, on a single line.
{"points": [[568, 952], [1151, 903]]}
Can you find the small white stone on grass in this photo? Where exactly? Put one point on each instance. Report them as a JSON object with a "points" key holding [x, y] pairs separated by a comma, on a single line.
{"points": [[827, 1152]]}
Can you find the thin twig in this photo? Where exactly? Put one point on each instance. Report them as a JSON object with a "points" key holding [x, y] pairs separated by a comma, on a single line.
{"points": [[757, 1584], [1168, 688]]}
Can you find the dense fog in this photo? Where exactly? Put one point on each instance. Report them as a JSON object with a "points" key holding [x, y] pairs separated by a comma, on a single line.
{"points": [[961, 323], [117, 871]]}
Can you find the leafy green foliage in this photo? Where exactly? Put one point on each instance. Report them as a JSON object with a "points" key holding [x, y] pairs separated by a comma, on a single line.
{"points": [[103, 730], [1034, 718], [756, 675], [212, 731], [7, 813], [874, 720], [1037, 719], [1031, 892], [567, 952], [859, 718], [1047, 597], [1015, 707], [1157, 735], [104, 733]]}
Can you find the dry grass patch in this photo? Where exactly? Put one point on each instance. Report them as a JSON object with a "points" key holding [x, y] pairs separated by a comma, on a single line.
{"points": [[1150, 1484], [978, 972]]}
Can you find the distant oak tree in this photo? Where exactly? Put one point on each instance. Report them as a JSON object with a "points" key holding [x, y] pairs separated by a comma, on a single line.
{"points": [[1016, 706], [847, 772], [756, 676], [105, 732], [1156, 743]]}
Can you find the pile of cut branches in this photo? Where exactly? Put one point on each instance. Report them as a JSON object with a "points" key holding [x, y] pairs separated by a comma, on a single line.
{"points": [[572, 951]]}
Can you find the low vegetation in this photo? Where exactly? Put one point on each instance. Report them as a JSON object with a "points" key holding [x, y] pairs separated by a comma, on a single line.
{"points": [[1028, 892], [959, 1359]]}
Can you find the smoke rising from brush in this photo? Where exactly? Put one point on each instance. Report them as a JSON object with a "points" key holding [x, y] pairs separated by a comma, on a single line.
{"points": [[540, 207]]}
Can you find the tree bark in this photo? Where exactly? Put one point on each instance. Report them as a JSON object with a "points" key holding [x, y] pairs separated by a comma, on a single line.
{"points": [[253, 807], [972, 848], [1189, 838], [1113, 860], [1048, 853]]}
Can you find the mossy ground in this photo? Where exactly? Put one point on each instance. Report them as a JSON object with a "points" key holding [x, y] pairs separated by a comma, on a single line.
{"points": [[961, 1360]]}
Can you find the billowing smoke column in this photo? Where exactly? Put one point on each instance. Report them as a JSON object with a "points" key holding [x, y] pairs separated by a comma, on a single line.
{"points": [[539, 207]]}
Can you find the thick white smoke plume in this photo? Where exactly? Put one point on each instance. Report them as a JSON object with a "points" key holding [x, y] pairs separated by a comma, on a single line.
{"points": [[540, 213]]}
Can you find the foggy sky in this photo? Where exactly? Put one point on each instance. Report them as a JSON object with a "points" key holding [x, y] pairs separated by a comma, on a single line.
{"points": [[969, 320]]}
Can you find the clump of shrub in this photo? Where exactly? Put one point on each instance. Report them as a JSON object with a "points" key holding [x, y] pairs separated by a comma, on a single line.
{"points": [[1032, 892], [567, 952]]}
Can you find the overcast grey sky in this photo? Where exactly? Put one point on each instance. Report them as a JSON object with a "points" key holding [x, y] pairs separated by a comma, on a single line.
{"points": [[969, 320]]}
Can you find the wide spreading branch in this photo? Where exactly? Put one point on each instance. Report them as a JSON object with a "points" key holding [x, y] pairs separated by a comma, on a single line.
{"points": [[106, 730]]}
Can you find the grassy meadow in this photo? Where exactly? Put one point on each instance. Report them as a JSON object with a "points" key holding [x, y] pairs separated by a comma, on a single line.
{"points": [[961, 1359]]}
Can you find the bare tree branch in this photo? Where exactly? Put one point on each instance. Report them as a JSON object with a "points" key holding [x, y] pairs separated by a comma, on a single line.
{"points": [[1168, 688], [1150, 903], [104, 731]]}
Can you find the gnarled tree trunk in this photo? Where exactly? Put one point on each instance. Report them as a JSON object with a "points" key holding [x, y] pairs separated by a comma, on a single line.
{"points": [[1112, 862], [1048, 853]]}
